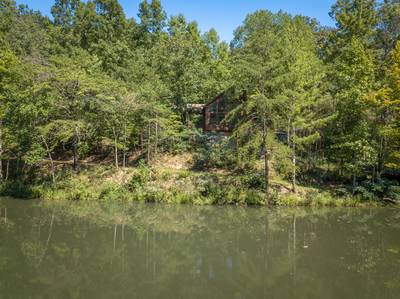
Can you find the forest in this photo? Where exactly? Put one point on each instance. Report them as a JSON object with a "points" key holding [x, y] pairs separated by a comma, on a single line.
{"points": [[92, 103]]}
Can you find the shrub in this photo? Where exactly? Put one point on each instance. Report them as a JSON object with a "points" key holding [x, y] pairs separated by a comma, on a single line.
{"points": [[19, 189], [114, 192], [141, 176], [213, 152]]}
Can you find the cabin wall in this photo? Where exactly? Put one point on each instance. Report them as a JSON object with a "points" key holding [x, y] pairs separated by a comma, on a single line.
{"points": [[214, 114]]}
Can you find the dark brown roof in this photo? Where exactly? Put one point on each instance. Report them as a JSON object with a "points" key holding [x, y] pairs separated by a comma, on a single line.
{"points": [[214, 100]]}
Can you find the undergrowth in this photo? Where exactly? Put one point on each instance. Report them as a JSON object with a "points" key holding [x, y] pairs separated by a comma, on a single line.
{"points": [[160, 185]]}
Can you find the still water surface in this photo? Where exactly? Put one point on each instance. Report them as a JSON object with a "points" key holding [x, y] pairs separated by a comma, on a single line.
{"points": [[82, 250]]}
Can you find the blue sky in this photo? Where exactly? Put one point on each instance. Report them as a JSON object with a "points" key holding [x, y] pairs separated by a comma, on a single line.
{"points": [[223, 15]]}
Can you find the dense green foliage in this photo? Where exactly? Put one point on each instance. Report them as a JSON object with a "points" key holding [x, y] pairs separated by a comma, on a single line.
{"points": [[317, 105]]}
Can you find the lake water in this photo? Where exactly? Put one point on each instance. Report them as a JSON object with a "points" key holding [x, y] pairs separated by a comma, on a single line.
{"points": [[83, 250]]}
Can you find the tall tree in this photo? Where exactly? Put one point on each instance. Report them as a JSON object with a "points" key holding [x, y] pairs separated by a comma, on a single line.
{"points": [[8, 61], [277, 66], [355, 18], [386, 114], [302, 91], [152, 16], [64, 13], [354, 70], [388, 31]]}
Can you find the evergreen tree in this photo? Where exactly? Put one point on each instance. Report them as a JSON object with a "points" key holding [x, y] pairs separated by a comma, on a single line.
{"points": [[152, 16], [64, 12], [355, 18], [278, 67], [388, 31], [354, 73], [386, 111]]}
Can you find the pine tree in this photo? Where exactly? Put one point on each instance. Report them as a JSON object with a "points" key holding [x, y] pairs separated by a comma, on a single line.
{"points": [[64, 13], [152, 16], [277, 65]]}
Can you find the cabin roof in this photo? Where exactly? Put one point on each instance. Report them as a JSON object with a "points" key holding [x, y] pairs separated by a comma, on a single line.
{"points": [[218, 97]]}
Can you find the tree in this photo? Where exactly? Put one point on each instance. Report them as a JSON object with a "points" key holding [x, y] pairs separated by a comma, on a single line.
{"points": [[254, 60], [65, 19], [8, 61], [152, 16], [254, 120], [385, 108], [112, 20], [303, 90], [72, 90], [388, 31], [28, 33], [277, 65], [64, 13], [353, 72], [161, 128], [355, 18], [113, 116]]}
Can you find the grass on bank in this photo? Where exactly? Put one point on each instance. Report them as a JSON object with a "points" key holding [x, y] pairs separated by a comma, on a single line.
{"points": [[172, 185]]}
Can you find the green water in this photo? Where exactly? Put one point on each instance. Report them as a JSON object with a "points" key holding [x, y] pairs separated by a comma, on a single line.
{"points": [[76, 250]]}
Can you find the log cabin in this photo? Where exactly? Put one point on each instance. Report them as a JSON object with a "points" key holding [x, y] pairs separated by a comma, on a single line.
{"points": [[215, 112]]}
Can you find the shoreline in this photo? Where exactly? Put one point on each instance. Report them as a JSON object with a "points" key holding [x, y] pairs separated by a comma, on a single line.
{"points": [[178, 186]]}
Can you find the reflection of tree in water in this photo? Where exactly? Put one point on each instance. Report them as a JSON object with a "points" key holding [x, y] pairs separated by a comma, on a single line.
{"points": [[112, 250]]}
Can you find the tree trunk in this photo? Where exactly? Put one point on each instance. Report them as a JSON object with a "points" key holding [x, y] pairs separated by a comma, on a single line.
{"points": [[294, 162], [52, 168], [1, 152], [124, 150], [148, 144], [266, 170], [156, 142], [141, 141], [17, 166], [116, 153], [75, 152], [373, 174], [115, 149], [7, 169], [266, 155], [354, 183], [381, 157]]}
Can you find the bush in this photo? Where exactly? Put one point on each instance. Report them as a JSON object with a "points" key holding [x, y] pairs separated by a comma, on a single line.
{"points": [[252, 181], [393, 192], [114, 192], [19, 189], [380, 189], [281, 160], [141, 176], [213, 152]]}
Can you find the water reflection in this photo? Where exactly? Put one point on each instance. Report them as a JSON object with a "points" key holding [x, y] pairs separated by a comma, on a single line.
{"points": [[88, 250]]}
